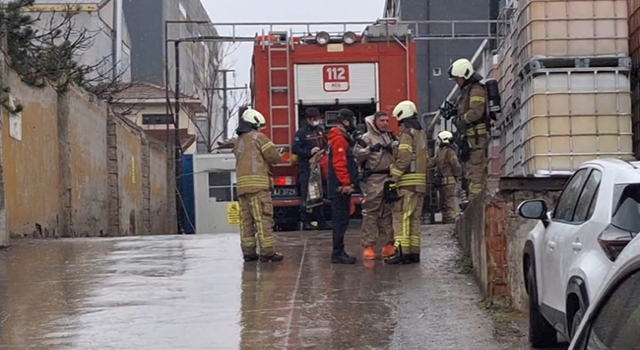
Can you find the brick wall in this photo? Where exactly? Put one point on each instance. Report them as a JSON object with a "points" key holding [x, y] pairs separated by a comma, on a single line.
{"points": [[493, 235], [70, 170]]}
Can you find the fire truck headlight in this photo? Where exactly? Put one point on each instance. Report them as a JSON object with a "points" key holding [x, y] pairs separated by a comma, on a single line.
{"points": [[322, 38], [349, 38]]}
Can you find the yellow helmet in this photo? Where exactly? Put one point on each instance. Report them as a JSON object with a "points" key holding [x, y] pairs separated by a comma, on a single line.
{"points": [[461, 68], [445, 137], [404, 110], [254, 118]]}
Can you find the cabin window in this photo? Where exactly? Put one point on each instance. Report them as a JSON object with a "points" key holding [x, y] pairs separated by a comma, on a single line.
{"points": [[221, 187]]}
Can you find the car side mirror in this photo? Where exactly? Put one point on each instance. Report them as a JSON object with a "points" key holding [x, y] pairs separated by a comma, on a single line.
{"points": [[534, 209]]}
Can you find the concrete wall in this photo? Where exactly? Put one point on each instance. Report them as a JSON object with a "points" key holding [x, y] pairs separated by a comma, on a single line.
{"points": [[71, 170], [145, 20], [98, 27], [87, 166], [30, 162], [128, 148], [161, 190], [493, 235]]}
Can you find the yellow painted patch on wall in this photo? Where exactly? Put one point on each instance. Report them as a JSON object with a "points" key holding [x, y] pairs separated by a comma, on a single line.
{"points": [[133, 169]]}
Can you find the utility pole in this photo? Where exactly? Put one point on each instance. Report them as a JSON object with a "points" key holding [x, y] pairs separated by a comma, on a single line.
{"points": [[225, 106]]}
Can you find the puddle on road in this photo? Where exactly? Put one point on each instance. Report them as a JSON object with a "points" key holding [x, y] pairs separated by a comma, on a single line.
{"points": [[186, 292]]}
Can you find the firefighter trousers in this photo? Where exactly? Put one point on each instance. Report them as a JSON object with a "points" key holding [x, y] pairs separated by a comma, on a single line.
{"points": [[256, 216], [407, 214], [476, 166], [376, 213], [448, 202]]}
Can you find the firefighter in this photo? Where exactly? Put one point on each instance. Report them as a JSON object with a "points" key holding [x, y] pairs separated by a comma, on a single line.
{"points": [[472, 122], [309, 140], [409, 179], [449, 172], [343, 181], [255, 154], [374, 151]]}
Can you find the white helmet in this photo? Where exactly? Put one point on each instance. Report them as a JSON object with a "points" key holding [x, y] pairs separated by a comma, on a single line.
{"points": [[254, 118], [445, 137], [405, 109], [461, 68]]}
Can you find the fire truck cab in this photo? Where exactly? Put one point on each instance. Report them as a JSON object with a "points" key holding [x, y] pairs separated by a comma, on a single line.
{"points": [[365, 72]]}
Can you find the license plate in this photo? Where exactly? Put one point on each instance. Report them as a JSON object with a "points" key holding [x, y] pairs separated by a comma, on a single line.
{"points": [[284, 192]]}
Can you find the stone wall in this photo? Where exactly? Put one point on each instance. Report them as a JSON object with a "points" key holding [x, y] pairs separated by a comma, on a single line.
{"points": [[493, 235], [72, 170]]}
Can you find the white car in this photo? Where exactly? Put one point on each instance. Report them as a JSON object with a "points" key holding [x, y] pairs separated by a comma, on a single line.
{"points": [[613, 320], [571, 249]]}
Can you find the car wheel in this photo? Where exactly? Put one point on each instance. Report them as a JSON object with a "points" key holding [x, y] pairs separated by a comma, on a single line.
{"points": [[541, 332], [575, 323]]}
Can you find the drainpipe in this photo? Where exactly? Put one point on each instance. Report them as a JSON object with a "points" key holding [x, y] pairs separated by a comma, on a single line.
{"points": [[117, 38]]}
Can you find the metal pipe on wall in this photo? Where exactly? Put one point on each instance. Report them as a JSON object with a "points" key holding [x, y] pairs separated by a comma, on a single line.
{"points": [[117, 38], [178, 143]]}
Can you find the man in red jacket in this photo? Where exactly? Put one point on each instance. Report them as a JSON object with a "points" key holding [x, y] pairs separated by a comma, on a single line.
{"points": [[343, 181]]}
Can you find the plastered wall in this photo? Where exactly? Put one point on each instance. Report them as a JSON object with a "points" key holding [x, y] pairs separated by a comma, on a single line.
{"points": [[72, 170]]}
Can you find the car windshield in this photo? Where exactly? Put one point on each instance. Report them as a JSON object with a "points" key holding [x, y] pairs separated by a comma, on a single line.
{"points": [[626, 214]]}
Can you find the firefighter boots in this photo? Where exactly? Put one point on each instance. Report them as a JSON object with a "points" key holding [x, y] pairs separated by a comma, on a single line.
{"points": [[275, 257], [388, 250], [250, 257], [398, 258], [369, 253], [342, 258]]}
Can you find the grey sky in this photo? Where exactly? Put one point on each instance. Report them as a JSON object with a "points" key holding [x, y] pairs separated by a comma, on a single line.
{"points": [[280, 11]]}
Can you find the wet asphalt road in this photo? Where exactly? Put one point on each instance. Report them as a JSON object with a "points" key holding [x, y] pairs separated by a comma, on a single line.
{"points": [[194, 292]]}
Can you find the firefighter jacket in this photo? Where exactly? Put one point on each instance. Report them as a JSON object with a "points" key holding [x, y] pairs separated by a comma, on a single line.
{"points": [[375, 162], [342, 164], [447, 164], [412, 158], [255, 154], [472, 108], [306, 138]]}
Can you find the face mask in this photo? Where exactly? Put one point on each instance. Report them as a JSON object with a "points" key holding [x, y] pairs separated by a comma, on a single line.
{"points": [[315, 123]]}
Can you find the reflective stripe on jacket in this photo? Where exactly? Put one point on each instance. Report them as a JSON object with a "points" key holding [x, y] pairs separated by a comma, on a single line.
{"points": [[255, 154], [412, 161]]}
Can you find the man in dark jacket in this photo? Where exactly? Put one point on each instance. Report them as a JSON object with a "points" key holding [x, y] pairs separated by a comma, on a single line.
{"points": [[343, 181], [309, 140]]}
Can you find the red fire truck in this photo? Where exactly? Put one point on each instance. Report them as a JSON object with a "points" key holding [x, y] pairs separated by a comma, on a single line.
{"points": [[365, 72]]}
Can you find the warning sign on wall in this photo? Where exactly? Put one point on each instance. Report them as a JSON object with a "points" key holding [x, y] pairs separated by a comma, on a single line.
{"points": [[233, 213]]}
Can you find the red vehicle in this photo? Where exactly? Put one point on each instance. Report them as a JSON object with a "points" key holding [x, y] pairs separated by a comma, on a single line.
{"points": [[364, 72]]}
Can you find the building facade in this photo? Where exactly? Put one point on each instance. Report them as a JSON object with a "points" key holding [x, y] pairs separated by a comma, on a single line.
{"points": [[97, 19], [199, 62], [435, 56]]}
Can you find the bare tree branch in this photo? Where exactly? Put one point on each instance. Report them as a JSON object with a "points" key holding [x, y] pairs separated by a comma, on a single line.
{"points": [[217, 60], [48, 49]]}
